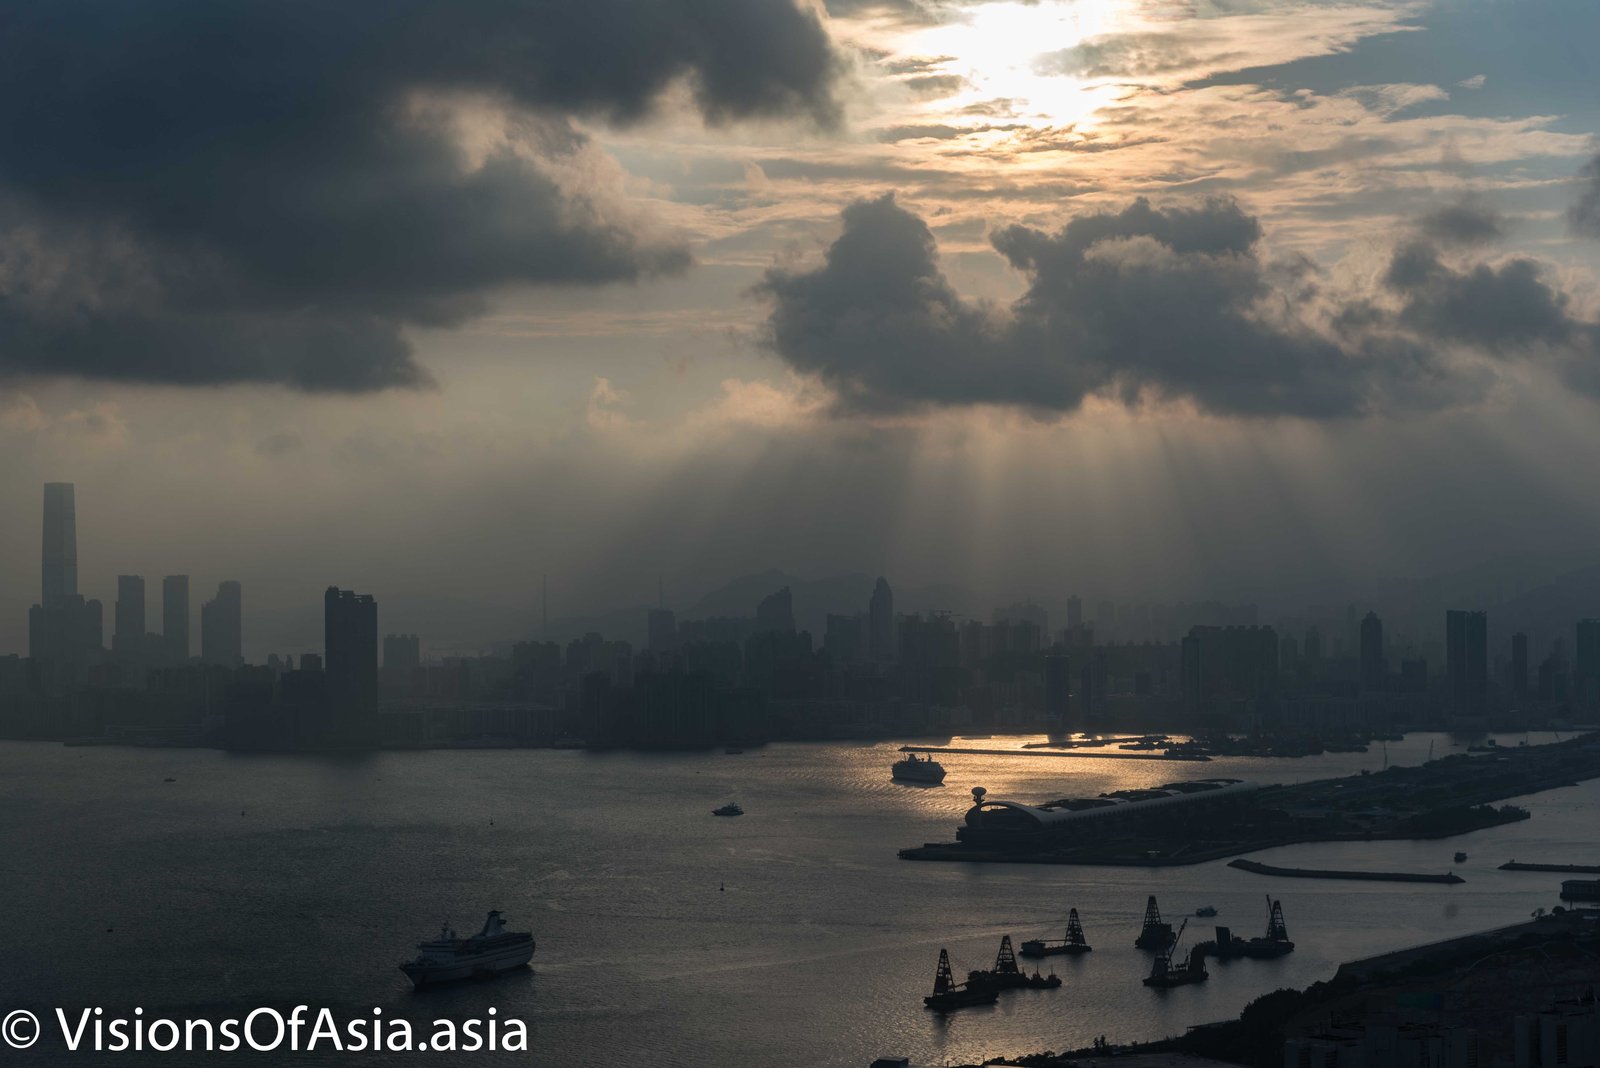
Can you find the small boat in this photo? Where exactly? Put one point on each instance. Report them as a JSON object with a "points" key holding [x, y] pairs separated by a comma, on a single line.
{"points": [[489, 952], [913, 770], [730, 809], [1460, 857], [1205, 912], [1008, 975], [1164, 973], [1074, 943], [1155, 933], [949, 995], [732, 750]]}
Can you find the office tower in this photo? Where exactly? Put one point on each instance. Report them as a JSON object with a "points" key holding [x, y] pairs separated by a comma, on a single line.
{"points": [[1058, 690], [1467, 662], [845, 639], [1105, 619], [1586, 664], [127, 636], [1313, 646], [1074, 611], [662, 627], [1228, 664], [1372, 665], [776, 612], [1519, 664], [65, 632], [175, 617], [350, 661], [402, 652], [59, 555], [929, 657], [222, 627], [881, 638]]}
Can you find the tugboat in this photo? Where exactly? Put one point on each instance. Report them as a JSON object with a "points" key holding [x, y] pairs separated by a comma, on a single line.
{"points": [[730, 809], [913, 770], [1163, 973], [1461, 857], [1074, 943], [1155, 934], [1007, 975], [1205, 912], [1229, 945], [949, 995], [489, 952]]}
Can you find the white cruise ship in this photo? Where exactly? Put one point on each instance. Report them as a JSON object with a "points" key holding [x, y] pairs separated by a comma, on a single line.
{"points": [[489, 952]]}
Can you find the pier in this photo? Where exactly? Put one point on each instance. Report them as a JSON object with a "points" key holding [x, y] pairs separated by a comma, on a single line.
{"points": [[1440, 799]]}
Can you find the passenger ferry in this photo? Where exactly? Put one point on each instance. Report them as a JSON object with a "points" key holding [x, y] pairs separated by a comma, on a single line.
{"points": [[489, 952], [913, 770]]}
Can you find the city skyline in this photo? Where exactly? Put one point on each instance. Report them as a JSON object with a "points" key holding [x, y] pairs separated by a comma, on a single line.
{"points": [[223, 633]]}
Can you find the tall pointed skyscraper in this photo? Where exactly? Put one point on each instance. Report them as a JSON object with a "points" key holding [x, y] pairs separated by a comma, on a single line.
{"points": [[64, 630], [59, 560]]}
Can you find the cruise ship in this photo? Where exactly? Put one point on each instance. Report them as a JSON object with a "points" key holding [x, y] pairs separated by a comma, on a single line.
{"points": [[489, 952], [913, 770]]}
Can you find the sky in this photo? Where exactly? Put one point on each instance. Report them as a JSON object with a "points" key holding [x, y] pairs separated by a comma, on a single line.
{"points": [[453, 302]]}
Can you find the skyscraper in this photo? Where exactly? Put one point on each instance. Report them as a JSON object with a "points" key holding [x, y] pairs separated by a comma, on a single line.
{"points": [[1074, 610], [1466, 642], [222, 626], [1586, 664], [175, 617], [59, 558], [127, 636], [1519, 664], [64, 630], [350, 661], [1058, 690], [1373, 669], [662, 627], [881, 636]]}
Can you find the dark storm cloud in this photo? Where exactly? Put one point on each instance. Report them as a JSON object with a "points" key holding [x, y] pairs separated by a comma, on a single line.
{"points": [[1501, 307], [260, 191], [1466, 222], [1584, 216], [1170, 303]]}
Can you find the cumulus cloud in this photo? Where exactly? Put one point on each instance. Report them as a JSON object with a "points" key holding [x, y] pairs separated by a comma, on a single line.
{"points": [[273, 192], [1157, 304]]}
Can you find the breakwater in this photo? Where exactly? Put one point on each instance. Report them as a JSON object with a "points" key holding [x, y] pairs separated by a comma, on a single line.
{"points": [[1568, 869], [1074, 754], [1321, 873]]}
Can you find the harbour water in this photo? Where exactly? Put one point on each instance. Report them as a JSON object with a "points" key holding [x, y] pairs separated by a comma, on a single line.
{"points": [[789, 936]]}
